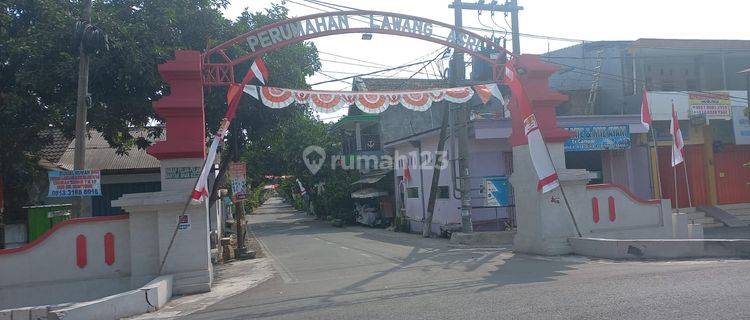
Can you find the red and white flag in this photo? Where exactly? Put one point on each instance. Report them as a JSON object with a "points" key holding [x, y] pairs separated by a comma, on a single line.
{"points": [[545, 170], [259, 70], [200, 190], [677, 143], [234, 93], [645, 111]]}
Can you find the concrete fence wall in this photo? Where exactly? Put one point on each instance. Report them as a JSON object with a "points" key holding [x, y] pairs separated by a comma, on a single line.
{"points": [[612, 211], [76, 260]]}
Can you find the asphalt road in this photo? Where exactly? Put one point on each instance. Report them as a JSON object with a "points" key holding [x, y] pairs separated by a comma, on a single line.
{"points": [[359, 273]]}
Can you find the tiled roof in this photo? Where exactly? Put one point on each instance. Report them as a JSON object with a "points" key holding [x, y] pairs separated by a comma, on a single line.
{"points": [[99, 155], [58, 143]]}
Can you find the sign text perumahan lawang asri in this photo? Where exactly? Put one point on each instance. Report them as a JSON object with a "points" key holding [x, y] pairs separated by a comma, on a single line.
{"points": [[357, 23]]}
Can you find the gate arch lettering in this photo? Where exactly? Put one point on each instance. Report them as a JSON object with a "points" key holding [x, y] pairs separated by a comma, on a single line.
{"points": [[218, 63]]}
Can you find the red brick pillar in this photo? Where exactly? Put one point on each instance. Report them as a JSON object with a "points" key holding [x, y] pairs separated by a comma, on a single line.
{"points": [[182, 109], [535, 75]]}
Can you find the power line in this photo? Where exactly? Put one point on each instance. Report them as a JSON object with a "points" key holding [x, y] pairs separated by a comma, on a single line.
{"points": [[628, 80], [366, 66], [370, 73], [638, 57], [339, 7], [403, 83]]}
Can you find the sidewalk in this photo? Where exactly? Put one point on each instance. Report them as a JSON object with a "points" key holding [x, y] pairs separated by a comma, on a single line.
{"points": [[230, 279]]}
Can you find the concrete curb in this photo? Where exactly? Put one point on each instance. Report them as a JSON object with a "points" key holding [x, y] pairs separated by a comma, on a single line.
{"points": [[148, 298], [661, 248]]}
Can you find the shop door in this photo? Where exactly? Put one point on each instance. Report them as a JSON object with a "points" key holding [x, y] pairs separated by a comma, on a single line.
{"points": [[733, 174], [698, 187]]}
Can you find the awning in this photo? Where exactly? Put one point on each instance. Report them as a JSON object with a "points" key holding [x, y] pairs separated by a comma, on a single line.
{"points": [[371, 179], [367, 193]]}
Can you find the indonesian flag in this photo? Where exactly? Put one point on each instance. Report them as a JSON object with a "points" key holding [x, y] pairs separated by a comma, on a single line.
{"points": [[200, 190], [234, 93], [407, 172], [645, 111], [259, 71], [545, 170], [677, 143]]}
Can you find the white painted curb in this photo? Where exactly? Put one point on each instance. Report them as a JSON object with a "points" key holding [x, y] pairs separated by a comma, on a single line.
{"points": [[148, 298]]}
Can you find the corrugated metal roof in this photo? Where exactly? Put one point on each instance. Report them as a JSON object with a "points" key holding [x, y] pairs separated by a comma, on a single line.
{"points": [[691, 44], [384, 84], [99, 155]]}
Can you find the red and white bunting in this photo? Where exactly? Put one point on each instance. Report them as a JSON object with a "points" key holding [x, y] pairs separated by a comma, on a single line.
{"points": [[370, 102]]}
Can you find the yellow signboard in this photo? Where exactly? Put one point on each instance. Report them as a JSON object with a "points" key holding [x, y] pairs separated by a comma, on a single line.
{"points": [[713, 105]]}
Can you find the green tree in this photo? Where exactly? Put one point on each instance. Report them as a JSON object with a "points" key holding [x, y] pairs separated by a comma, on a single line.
{"points": [[38, 72]]}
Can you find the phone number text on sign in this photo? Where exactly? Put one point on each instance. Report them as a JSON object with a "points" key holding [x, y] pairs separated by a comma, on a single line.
{"points": [[76, 183]]}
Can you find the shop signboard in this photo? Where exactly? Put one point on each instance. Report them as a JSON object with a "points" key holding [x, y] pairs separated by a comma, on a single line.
{"points": [[497, 191], [741, 125], [715, 105], [76, 183], [598, 138]]}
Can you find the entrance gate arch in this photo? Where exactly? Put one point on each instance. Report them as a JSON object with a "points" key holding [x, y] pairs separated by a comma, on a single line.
{"points": [[218, 62], [190, 71]]}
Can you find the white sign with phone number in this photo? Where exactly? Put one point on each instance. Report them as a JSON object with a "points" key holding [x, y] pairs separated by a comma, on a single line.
{"points": [[76, 183]]}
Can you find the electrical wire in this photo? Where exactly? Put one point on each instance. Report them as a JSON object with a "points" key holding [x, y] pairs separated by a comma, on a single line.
{"points": [[403, 83], [339, 7], [369, 73], [629, 80]]}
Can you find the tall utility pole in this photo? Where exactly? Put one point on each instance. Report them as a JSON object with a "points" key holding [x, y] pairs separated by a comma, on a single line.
{"points": [[458, 73], [79, 156], [457, 76], [514, 8], [510, 6]]}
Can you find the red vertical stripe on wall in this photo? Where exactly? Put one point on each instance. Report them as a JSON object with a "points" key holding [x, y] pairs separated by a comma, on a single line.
{"points": [[595, 209], [81, 259], [612, 213], [109, 248]]}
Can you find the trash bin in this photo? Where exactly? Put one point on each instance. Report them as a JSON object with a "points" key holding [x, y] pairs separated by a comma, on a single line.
{"points": [[42, 218]]}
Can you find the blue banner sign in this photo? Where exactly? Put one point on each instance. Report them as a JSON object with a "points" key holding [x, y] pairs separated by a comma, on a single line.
{"points": [[497, 190], [76, 183], [597, 138]]}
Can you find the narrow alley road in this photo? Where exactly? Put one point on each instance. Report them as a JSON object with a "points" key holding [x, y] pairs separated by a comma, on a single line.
{"points": [[324, 272]]}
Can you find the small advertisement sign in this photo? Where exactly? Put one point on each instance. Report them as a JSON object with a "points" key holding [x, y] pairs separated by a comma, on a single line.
{"points": [[237, 172], [712, 105], [183, 222], [76, 183], [598, 138], [497, 191]]}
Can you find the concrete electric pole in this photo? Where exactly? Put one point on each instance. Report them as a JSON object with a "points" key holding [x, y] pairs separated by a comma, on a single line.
{"points": [[79, 155], [510, 6], [458, 75]]}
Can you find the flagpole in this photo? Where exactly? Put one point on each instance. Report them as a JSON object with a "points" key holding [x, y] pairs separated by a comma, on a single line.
{"points": [[656, 149], [549, 156], [654, 167], [562, 190], [672, 123], [687, 181]]}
